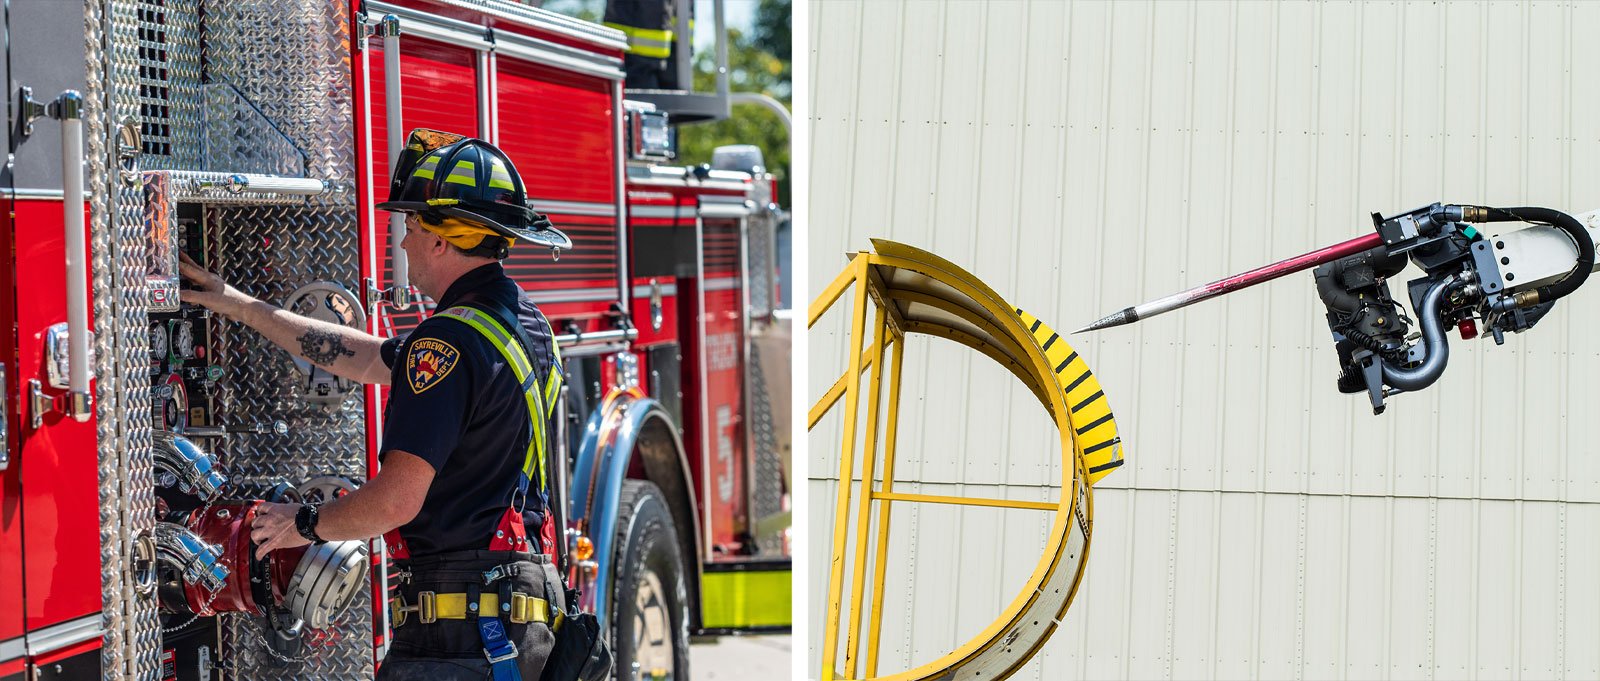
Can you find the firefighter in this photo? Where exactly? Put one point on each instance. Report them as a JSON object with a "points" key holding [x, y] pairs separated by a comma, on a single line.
{"points": [[650, 26], [465, 428]]}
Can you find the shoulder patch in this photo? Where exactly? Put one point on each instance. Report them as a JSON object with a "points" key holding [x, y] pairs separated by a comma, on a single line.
{"points": [[428, 361]]}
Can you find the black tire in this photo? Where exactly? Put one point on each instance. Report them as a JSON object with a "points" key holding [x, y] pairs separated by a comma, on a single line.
{"points": [[647, 542]]}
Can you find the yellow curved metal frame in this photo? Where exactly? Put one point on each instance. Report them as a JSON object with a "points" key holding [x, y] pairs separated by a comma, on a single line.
{"points": [[914, 291]]}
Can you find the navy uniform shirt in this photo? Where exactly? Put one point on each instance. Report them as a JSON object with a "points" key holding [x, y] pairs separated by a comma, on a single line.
{"points": [[454, 402]]}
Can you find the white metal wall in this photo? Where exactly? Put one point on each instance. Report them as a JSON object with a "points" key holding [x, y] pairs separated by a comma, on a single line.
{"points": [[1084, 157]]}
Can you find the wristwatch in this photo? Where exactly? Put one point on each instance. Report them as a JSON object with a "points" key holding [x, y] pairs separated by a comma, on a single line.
{"points": [[305, 522]]}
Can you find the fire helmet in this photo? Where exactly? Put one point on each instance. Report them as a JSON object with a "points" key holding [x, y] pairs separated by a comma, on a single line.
{"points": [[443, 175]]}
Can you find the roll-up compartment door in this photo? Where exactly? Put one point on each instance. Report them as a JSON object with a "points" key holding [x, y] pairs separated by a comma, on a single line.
{"points": [[558, 128]]}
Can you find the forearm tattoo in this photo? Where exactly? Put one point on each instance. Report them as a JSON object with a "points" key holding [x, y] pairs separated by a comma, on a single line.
{"points": [[323, 348]]}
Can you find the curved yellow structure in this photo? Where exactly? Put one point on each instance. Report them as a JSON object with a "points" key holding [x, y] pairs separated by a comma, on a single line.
{"points": [[914, 291]]}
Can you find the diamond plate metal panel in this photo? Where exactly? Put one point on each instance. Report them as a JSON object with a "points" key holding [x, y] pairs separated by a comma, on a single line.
{"points": [[117, 248], [770, 445], [280, 91], [240, 139], [133, 441], [287, 64], [114, 648], [761, 248], [291, 61], [269, 252]]}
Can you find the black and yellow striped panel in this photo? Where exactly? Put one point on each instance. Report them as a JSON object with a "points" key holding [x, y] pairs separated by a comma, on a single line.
{"points": [[1095, 430]]}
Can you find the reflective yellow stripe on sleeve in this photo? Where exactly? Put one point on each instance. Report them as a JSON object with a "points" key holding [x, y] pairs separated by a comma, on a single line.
{"points": [[646, 42]]}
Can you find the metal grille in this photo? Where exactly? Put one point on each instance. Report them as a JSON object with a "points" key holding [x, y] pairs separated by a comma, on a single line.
{"points": [[760, 256], [168, 33]]}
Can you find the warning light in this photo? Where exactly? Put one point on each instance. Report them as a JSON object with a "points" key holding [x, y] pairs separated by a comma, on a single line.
{"points": [[582, 549]]}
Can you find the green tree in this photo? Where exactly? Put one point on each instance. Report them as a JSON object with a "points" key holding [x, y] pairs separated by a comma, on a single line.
{"points": [[772, 33], [757, 62]]}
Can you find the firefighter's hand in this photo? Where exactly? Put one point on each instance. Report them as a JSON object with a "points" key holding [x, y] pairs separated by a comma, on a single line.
{"points": [[274, 528], [209, 291]]}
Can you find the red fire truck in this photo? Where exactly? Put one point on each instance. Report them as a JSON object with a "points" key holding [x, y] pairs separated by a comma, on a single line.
{"points": [[255, 136]]}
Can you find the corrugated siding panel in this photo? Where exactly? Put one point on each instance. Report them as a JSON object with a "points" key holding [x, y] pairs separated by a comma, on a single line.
{"points": [[1082, 157]]}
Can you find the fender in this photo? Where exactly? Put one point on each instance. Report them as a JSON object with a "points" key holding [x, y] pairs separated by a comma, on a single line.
{"points": [[629, 423]]}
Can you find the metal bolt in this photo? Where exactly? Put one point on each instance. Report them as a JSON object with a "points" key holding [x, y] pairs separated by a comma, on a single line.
{"points": [[500, 534], [472, 606], [223, 513], [280, 427]]}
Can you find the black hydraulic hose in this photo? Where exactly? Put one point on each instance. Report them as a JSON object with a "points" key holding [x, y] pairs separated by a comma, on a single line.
{"points": [[1434, 342], [1332, 294], [1566, 223]]}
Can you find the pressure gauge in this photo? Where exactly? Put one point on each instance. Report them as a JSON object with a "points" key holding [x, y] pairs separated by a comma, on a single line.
{"points": [[175, 406], [183, 340], [158, 341]]}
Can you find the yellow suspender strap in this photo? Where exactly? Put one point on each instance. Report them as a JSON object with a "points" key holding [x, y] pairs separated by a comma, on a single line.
{"points": [[522, 369], [552, 383]]}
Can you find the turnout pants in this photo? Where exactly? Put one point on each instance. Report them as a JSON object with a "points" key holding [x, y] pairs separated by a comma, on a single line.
{"points": [[449, 648]]}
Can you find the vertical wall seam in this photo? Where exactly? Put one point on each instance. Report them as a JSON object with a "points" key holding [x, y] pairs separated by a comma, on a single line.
{"points": [[1100, 200], [1052, 470], [1185, 222], [1522, 355], [1396, 140], [1477, 405], [1350, 409], [914, 526], [1304, 471], [1270, 201], [1220, 468], [889, 226], [1131, 546], [1001, 587], [976, 161], [853, 127], [1563, 381]]}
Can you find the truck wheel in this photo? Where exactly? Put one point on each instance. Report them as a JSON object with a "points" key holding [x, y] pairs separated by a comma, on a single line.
{"points": [[650, 621]]}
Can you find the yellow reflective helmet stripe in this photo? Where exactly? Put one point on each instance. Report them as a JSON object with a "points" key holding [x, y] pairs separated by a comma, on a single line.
{"points": [[498, 175], [464, 172], [427, 167], [646, 42], [521, 368]]}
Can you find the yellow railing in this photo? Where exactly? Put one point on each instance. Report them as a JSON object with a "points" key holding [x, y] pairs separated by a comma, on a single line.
{"points": [[908, 290]]}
